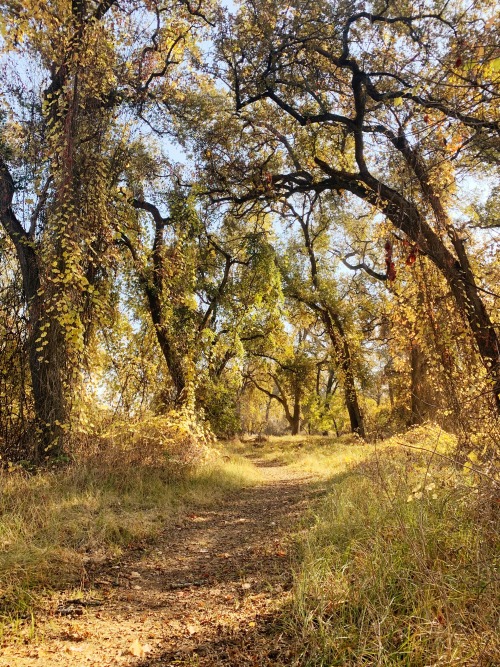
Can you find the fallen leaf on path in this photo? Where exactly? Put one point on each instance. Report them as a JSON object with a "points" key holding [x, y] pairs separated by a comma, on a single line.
{"points": [[73, 649], [192, 628], [139, 650], [74, 635], [175, 625]]}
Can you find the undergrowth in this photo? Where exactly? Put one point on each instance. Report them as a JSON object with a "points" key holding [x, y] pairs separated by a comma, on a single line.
{"points": [[400, 567], [53, 522]]}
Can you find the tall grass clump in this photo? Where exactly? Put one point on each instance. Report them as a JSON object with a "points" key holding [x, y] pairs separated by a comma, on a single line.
{"points": [[400, 566]]}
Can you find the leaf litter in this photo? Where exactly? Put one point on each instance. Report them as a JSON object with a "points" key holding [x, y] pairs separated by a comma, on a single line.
{"points": [[208, 591]]}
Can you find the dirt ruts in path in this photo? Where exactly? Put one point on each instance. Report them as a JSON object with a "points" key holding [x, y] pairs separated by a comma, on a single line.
{"points": [[207, 592]]}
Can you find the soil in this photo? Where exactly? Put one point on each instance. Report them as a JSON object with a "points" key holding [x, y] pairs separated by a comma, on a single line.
{"points": [[210, 590]]}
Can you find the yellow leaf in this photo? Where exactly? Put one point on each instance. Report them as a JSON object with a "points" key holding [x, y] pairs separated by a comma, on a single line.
{"points": [[495, 65]]}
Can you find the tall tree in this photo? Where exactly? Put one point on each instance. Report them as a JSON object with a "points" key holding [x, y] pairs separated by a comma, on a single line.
{"points": [[314, 226], [62, 129], [60, 162], [342, 92]]}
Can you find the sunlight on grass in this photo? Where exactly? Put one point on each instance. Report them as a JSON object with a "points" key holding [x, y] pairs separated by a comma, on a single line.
{"points": [[395, 566], [399, 566], [52, 523], [318, 455]]}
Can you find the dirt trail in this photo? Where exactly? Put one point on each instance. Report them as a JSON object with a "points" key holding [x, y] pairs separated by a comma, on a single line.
{"points": [[206, 593]]}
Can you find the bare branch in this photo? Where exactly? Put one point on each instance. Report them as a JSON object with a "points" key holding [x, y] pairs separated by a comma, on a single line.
{"points": [[160, 221]]}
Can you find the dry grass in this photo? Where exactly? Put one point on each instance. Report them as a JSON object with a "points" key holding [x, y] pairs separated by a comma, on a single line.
{"points": [[52, 523], [400, 566], [319, 455], [397, 566]]}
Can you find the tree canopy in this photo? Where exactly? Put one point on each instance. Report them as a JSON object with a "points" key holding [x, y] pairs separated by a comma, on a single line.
{"points": [[282, 215]]}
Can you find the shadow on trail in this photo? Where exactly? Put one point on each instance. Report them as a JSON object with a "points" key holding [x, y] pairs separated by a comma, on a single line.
{"points": [[264, 645], [220, 579], [273, 463]]}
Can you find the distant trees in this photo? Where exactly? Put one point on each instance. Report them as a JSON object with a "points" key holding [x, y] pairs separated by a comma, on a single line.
{"points": [[284, 374]]}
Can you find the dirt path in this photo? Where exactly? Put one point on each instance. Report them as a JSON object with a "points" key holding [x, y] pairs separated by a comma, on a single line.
{"points": [[206, 593]]}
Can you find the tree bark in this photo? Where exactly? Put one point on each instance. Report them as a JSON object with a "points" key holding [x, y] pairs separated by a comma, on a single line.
{"points": [[173, 362], [46, 363], [419, 409], [154, 288], [46, 367], [339, 342], [294, 419]]}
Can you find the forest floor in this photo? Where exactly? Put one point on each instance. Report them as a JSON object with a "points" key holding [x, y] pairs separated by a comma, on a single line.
{"points": [[209, 590]]}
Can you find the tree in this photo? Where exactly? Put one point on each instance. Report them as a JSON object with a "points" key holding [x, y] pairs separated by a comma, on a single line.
{"points": [[319, 296], [61, 162], [52, 139], [342, 93], [284, 374]]}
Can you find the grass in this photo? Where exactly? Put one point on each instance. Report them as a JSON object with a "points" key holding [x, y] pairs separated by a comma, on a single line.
{"points": [[320, 456], [396, 565], [399, 568], [54, 522]]}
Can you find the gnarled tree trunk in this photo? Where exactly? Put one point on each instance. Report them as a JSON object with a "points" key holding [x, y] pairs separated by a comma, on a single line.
{"points": [[336, 333]]}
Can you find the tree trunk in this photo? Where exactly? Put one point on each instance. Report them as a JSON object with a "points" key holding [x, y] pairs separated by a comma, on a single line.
{"points": [[418, 406], [154, 289], [295, 417], [456, 269], [46, 364], [337, 336], [174, 364], [46, 368], [295, 425], [336, 333]]}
